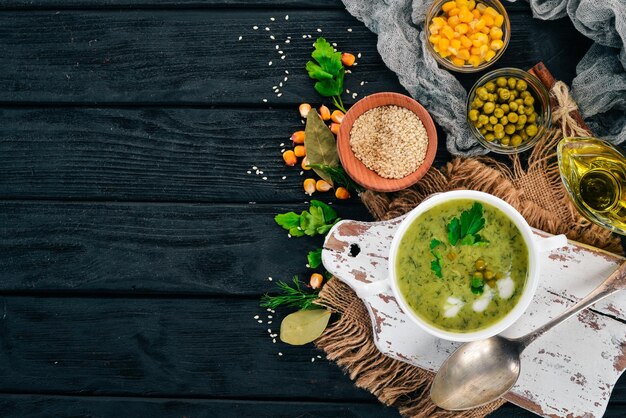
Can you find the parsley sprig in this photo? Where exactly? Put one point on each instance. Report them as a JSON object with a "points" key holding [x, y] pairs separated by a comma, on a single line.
{"points": [[435, 265], [328, 70], [467, 227], [316, 221]]}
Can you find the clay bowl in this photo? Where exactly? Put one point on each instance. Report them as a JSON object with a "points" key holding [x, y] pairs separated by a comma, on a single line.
{"points": [[357, 170]]}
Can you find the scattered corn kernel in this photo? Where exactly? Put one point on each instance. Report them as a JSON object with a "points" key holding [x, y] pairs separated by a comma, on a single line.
{"points": [[322, 186], [316, 280], [304, 109], [337, 116], [309, 186], [467, 32], [334, 128], [298, 137], [342, 193], [305, 163], [324, 112], [299, 150], [347, 59], [290, 158]]}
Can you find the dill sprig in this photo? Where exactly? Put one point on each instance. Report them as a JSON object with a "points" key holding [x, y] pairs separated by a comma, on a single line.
{"points": [[290, 296]]}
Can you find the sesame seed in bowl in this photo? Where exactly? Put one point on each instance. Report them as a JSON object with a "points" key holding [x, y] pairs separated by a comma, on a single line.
{"points": [[387, 142]]}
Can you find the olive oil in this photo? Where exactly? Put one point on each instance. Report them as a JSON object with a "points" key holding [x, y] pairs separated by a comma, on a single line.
{"points": [[594, 174]]}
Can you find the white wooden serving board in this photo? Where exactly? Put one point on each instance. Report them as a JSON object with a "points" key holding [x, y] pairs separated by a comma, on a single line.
{"points": [[568, 372]]}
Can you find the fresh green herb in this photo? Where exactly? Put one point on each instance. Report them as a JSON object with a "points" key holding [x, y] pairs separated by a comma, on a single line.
{"points": [[466, 229], [328, 70], [338, 176], [314, 258], [477, 285], [321, 147], [316, 221], [293, 297], [435, 265]]}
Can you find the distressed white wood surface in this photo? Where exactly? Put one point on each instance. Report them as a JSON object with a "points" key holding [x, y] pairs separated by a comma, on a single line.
{"points": [[568, 372]]}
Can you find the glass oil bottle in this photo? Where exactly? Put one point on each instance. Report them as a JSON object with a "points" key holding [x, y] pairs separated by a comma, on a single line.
{"points": [[594, 174]]}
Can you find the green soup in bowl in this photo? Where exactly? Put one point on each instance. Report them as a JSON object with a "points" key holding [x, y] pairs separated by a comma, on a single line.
{"points": [[462, 276]]}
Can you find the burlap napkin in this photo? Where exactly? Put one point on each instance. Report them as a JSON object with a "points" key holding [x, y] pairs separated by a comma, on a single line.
{"points": [[534, 189]]}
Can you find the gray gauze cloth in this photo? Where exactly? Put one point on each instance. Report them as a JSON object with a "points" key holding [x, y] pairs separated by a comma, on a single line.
{"points": [[599, 87]]}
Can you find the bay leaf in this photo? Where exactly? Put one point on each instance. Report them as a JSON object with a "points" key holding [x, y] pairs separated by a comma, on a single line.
{"points": [[302, 327], [320, 144]]}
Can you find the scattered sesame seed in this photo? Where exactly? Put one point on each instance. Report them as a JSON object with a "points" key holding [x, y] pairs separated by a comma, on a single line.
{"points": [[349, 29], [319, 30], [268, 310], [280, 52], [288, 235], [356, 63], [286, 78], [348, 72], [282, 150], [302, 172], [264, 178], [280, 84], [358, 55], [312, 359], [269, 322], [279, 94], [282, 144], [272, 19], [362, 82], [283, 57], [254, 167], [269, 331], [267, 29], [276, 90], [334, 43], [255, 27], [319, 356], [277, 47], [303, 36], [274, 340], [260, 321], [269, 317], [308, 36], [249, 172], [269, 278], [354, 95], [280, 354], [272, 37], [256, 316], [286, 71], [286, 17], [287, 41], [284, 177], [347, 91], [274, 87], [264, 100], [307, 265], [289, 37], [260, 172], [269, 63], [240, 38]]}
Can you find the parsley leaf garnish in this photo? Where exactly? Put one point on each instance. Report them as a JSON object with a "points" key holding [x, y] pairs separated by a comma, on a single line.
{"points": [[435, 265], [316, 221], [328, 70], [477, 286], [467, 227], [314, 258]]}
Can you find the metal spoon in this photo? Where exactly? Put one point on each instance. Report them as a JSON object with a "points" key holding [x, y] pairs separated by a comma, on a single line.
{"points": [[479, 372]]}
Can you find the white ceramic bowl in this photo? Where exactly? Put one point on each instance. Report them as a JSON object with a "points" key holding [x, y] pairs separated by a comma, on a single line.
{"points": [[535, 245]]}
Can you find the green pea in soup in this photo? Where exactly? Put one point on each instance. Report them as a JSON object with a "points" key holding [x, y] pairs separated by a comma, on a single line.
{"points": [[462, 265]]}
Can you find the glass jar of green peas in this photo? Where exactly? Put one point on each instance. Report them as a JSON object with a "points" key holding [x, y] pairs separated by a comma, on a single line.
{"points": [[508, 110]]}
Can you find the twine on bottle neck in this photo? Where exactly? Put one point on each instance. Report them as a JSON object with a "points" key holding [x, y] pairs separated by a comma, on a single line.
{"points": [[562, 114]]}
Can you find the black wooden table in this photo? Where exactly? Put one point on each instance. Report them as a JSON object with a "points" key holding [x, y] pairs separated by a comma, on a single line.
{"points": [[135, 245]]}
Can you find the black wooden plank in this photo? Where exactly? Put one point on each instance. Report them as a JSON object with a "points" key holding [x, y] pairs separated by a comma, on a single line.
{"points": [[194, 56], [150, 248], [41, 406], [189, 154], [167, 348]]}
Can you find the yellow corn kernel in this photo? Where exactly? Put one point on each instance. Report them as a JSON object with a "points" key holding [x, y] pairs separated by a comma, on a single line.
{"points": [[489, 55], [347, 59], [305, 163], [334, 128], [290, 158], [433, 29], [316, 281], [495, 33], [444, 54], [477, 14], [453, 21], [322, 186], [471, 4], [475, 50], [439, 22], [474, 60], [298, 137], [443, 44], [461, 3], [454, 11], [434, 39], [299, 150], [448, 33], [483, 50], [342, 193], [485, 30], [447, 6], [458, 62], [466, 42], [462, 28], [309, 186], [465, 15], [455, 45], [497, 44], [481, 7], [337, 116], [324, 112], [464, 54], [488, 19], [498, 20], [484, 39], [304, 109], [480, 24], [491, 11]]}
